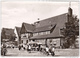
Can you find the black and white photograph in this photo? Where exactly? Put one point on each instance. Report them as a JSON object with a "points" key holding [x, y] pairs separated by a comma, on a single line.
{"points": [[44, 29]]}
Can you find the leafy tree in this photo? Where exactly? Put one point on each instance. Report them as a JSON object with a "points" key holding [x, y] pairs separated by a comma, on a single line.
{"points": [[70, 32]]}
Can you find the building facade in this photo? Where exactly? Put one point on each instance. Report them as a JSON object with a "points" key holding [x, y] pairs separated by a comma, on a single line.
{"points": [[47, 31]]}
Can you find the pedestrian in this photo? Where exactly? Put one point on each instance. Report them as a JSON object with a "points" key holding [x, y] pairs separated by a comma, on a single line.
{"points": [[4, 49], [24, 47], [29, 48], [19, 47], [4, 45], [47, 50], [52, 51], [39, 47]]}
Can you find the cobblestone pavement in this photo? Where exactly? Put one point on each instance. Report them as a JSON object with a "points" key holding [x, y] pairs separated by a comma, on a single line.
{"points": [[58, 52]]}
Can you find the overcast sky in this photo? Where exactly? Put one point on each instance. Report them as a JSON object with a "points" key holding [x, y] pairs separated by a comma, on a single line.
{"points": [[15, 13]]}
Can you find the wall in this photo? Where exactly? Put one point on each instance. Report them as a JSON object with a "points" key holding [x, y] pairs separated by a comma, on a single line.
{"points": [[41, 41], [50, 41], [55, 42], [15, 31], [24, 38]]}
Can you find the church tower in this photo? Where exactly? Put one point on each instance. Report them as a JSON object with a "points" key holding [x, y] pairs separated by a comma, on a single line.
{"points": [[70, 13]]}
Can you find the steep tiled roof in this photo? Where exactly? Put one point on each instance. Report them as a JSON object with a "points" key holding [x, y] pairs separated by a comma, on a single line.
{"points": [[44, 28], [18, 29], [29, 27], [46, 24], [51, 20], [59, 20]]}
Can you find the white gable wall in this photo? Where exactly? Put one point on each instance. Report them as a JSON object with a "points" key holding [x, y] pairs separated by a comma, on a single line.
{"points": [[15, 31]]}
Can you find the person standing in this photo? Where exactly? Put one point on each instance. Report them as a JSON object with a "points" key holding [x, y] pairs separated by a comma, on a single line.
{"points": [[29, 48], [4, 49], [47, 50], [52, 51], [19, 47]]}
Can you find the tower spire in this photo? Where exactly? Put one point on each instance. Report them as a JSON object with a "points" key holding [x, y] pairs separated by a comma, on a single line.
{"points": [[69, 9], [69, 4]]}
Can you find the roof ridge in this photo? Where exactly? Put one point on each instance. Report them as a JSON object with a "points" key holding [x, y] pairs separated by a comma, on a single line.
{"points": [[26, 23], [52, 17], [17, 27]]}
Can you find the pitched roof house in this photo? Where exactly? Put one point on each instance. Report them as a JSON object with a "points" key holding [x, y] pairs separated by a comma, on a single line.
{"points": [[47, 29], [27, 28], [57, 22]]}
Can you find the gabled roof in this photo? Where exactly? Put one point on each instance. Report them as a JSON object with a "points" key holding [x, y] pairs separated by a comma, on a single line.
{"points": [[60, 20], [46, 24], [18, 29], [51, 20], [45, 28], [29, 27]]}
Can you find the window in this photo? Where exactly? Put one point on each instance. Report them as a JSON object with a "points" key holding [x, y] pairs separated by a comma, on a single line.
{"points": [[41, 33], [44, 33], [47, 32], [35, 34], [21, 41]]}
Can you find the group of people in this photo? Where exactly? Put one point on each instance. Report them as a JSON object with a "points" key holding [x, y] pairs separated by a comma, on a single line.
{"points": [[21, 46], [50, 50]]}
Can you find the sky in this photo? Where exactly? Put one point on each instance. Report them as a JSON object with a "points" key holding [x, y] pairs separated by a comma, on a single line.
{"points": [[15, 13]]}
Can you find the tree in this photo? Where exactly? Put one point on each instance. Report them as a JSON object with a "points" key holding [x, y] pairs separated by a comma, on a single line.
{"points": [[70, 32]]}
